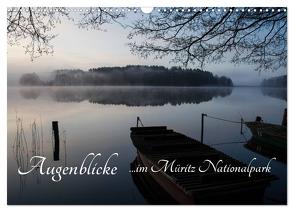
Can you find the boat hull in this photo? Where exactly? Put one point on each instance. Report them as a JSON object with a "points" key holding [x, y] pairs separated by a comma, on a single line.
{"points": [[157, 143], [234, 195]]}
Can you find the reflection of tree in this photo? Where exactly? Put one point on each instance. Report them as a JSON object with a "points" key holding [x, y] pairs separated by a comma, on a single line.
{"points": [[139, 96], [279, 93], [203, 36], [30, 93]]}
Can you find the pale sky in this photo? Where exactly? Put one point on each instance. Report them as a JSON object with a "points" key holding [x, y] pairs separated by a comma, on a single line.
{"points": [[84, 49]]}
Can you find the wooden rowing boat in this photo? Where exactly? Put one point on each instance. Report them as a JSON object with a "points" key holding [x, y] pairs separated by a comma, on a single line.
{"points": [[157, 143], [269, 140]]}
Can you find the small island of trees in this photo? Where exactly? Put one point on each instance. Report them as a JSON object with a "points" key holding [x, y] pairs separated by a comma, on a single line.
{"points": [[131, 75]]}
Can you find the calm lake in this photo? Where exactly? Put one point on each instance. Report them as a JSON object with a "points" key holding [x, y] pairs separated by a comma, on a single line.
{"points": [[98, 119]]}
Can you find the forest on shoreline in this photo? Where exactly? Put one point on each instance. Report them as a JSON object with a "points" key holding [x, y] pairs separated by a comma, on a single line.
{"points": [[280, 82], [131, 75]]}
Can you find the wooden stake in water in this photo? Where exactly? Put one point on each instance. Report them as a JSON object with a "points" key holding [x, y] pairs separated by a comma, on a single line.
{"points": [[56, 140], [202, 125], [284, 122], [241, 131]]}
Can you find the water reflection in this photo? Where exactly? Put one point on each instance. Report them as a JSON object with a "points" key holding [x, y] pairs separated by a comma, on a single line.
{"points": [[152, 192], [105, 128], [279, 93], [32, 93], [131, 96]]}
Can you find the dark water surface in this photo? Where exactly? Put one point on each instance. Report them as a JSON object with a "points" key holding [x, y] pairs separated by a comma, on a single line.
{"points": [[98, 119]]}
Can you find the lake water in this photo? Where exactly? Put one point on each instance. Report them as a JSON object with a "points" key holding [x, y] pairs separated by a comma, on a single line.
{"points": [[98, 119]]}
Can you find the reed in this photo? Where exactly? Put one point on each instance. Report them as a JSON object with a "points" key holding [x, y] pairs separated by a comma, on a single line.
{"points": [[20, 149], [63, 137], [31, 143], [37, 145]]}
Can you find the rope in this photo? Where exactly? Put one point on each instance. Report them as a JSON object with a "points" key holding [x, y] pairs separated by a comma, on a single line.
{"points": [[233, 142], [221, 119]]}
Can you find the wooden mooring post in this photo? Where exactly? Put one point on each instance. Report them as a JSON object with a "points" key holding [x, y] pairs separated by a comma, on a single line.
{"points": [[56, 140], [241, 130], [284, 121], [202, 126], [139, 122]]}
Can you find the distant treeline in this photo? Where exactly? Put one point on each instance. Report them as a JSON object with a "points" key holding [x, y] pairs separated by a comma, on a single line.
{"points": [[280, 81], [130, 75]]}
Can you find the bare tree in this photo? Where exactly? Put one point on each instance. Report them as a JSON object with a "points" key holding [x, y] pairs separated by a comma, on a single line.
{"points": [[198, 36], [32, 28], [95, 17], [190, 37]]}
